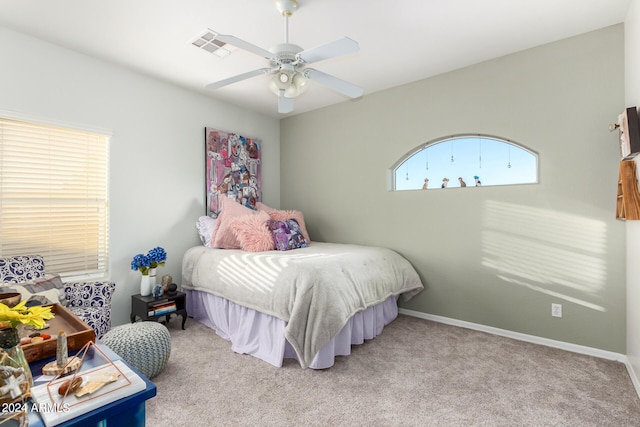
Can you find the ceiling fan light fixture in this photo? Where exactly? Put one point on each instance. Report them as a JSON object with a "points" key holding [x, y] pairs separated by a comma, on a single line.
{"points": [[282, 79], [300, 82], [298, 86], [284, 76], [293, 85], [275, 85]]}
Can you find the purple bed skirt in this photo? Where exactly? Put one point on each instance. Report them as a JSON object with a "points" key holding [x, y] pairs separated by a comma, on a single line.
{"points": [[262, 335]]}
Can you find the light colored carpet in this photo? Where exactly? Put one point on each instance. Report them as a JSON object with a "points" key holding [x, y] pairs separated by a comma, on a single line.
{"points": [[416, 373]]}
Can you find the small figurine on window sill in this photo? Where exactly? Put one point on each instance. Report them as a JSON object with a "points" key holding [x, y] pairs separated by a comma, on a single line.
{"points": [[426, 184], [445, 182], [462, 183], [477, 179]]}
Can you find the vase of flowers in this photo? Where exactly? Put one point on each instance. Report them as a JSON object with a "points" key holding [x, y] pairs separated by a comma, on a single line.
{"points": [[15, 375], [145, 285], [147, 265]]}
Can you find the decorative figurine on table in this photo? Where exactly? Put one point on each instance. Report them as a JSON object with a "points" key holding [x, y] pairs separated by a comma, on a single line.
{"points": [[462, 183], [426, 184], [445, 182], [477, 179], [173, 289], [63, 363], [157, 290], [62, 349], [166, 281]]}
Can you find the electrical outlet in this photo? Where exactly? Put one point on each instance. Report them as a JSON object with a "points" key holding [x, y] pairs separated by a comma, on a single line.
{"points": [[556, 310]]}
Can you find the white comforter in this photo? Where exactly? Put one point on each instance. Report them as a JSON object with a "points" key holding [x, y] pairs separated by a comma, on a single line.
{"points": [[314, 289]]}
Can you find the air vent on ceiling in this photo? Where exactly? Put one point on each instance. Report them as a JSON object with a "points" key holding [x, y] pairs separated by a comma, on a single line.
{"points": [[207, 41]]}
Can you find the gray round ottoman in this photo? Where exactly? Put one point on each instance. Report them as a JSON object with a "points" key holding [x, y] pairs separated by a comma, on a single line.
{"points": [[144, 345]]}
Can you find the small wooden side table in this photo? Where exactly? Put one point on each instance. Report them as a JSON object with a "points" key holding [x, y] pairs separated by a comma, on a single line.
{"points": [[143, 307]]}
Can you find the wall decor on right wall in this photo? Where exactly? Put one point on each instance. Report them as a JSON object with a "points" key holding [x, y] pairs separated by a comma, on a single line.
{"points": [[628, 133], [628, 196], [628, 200]]}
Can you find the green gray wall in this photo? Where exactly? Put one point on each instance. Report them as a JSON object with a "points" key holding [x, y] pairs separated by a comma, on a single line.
{"points": [[496, 256]]}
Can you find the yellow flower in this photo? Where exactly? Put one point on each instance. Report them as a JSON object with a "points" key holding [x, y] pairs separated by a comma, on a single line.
{"points": [[34, 316]]}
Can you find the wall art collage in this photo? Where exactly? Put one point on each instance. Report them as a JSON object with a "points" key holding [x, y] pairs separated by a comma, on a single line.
{"points": [[233, 169]]}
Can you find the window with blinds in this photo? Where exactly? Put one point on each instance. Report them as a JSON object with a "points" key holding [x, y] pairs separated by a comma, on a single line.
{"points": [[54, 197]]}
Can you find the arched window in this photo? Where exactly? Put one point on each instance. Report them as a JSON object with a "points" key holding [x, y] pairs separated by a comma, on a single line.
{"points": [[465, 160]]}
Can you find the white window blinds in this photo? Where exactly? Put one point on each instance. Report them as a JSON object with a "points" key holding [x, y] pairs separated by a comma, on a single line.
{"points": [[54, 197]]}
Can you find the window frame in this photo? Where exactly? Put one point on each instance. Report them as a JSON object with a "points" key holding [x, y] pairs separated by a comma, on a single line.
{"points": [[398, 164], [95, 208]]}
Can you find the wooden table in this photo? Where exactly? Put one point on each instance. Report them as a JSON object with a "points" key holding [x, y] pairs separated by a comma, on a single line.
{"points": [[143, 307]]}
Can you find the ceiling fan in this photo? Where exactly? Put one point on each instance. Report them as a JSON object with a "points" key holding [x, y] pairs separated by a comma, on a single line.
{"points": [[288, 63]]}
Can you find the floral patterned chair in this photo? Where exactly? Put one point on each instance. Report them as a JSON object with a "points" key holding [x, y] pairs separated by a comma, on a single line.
{"points": [[90, 301]]}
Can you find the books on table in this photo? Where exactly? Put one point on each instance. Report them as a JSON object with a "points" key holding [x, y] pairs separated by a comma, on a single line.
{"points": [[162, 307]]}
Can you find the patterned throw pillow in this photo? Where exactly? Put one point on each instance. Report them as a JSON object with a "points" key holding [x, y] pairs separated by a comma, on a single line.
{"points": [[287, 234], [44, 290], [296, 215]]}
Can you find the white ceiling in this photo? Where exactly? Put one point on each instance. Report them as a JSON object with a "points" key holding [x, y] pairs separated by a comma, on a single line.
{"points": [[400, 41]]}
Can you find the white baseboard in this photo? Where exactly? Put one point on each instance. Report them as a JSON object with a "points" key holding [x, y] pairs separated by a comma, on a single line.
{"points": [[634, 377], [589, 351]]}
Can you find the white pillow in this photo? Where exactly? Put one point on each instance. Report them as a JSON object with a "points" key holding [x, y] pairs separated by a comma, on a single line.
{"points": [[205, 226], [45, 290], [52, 295]]}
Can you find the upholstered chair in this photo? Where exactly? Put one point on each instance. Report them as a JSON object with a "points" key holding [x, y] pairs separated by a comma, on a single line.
{"points": [[90, 301]]}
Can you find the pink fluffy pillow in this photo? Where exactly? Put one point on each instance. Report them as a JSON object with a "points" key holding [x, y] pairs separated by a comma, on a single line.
{"points": [[252, 232], [223, 236], [297, 215]]}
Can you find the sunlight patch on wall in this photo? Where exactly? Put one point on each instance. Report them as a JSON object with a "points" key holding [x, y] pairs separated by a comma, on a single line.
{"points": [[550, 252], [553, 294]]}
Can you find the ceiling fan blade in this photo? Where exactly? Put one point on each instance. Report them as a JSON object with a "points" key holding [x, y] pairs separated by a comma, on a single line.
{"points": [[238, 78], [338, 47], [234, 41], [332, 82], [285, 105]]}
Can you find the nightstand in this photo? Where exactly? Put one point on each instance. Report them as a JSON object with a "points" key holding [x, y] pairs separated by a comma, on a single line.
{"points": [[147, 308]]}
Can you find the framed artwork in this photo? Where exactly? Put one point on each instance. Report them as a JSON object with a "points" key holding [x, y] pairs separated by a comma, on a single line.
{"points": [[629, 133], [232, 169]]}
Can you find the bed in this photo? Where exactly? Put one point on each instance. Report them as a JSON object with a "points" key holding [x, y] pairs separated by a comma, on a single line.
{"points": [[310, 304]]}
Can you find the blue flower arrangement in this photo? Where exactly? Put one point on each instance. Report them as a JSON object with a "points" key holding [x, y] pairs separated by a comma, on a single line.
{"points": [[156, 257]]}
